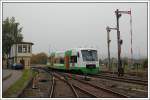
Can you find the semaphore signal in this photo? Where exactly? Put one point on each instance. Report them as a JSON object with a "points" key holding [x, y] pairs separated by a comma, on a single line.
{"points": [[119, 41]]}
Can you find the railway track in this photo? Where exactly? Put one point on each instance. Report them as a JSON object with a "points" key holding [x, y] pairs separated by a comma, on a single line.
{"points": [[58, 86], [52, 87], [77, 91], [110, 76], [95, 91], [92, 90], [55, 80], [122, 79]]}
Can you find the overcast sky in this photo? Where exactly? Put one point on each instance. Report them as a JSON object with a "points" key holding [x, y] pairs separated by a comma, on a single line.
{"points": [[60, 26]]}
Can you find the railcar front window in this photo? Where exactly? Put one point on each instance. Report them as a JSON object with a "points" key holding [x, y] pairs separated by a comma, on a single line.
{"points": [[89, 55]]}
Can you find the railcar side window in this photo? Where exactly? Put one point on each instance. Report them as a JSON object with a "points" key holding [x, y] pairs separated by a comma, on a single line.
{"points": [[55, 60], [73, 59], [78, 54], [61, 60]]}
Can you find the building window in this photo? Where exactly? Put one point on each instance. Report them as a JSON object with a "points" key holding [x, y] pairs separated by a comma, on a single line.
{"points": [[19, 48], [24, 48], [29, 49]]}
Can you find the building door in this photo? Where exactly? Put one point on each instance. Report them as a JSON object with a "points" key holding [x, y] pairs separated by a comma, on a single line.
{"points": [[22, 62]]}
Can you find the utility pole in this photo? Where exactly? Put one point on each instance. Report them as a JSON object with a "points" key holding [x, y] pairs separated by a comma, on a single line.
{"points": [[108, 42]]}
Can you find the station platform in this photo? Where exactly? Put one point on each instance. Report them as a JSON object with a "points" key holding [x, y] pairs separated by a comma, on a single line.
{"points": [[9, 77]]}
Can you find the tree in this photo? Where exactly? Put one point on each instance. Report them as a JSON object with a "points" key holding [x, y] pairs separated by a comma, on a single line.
{"points": [[11, 33]]}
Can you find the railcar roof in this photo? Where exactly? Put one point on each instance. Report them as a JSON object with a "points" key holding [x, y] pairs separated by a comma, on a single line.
{"points": [[75, 49], [83, 49]]}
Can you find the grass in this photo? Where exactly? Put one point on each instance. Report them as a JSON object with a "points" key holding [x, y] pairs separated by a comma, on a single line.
{"points": [[20, 84], [34, 73]]}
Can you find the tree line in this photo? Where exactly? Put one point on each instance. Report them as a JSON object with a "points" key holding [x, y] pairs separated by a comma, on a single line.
{"points": [[40, 58]]}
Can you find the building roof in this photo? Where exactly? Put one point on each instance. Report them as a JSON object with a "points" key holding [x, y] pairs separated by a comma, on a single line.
{"points": [[24, 43]]}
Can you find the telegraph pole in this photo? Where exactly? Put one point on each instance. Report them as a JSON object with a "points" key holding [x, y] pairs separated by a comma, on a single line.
{"points": [[108, 42]]}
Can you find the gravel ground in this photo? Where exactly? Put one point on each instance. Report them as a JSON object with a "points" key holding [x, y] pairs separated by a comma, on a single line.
{"points": [[82, 94], [132, 90], [98, 92], [63, 90]]}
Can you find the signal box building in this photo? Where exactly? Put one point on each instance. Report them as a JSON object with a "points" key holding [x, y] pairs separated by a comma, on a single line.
{"points": [[21, 53]]}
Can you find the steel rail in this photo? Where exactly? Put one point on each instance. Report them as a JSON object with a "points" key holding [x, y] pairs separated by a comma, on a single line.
{"points": [[85, 91], [104, 89], [52, 88], [74, 91], [95, 86], [53, 80], [72, 85], [135, 81]]}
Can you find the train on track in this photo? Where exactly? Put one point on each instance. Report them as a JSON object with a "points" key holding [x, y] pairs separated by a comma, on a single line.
{"points": [[80, 60]]}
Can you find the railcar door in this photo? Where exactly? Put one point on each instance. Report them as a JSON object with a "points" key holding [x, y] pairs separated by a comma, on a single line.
{"points": [[67, 62]]}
